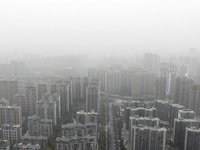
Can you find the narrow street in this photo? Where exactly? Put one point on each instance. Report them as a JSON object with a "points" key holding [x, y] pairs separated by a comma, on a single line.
{"points": [[112, 137]]}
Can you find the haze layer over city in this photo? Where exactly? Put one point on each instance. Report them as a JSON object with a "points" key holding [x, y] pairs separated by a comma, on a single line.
{"points": [[99, 75]]}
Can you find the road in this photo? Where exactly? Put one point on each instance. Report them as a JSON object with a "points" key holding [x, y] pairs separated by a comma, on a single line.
{"points": [[112, 137]]}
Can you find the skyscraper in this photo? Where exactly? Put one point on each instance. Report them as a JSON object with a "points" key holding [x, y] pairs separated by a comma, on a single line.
{"points": [[10, 115], [182, 90], [20, 100], [63, 90], [147, 138], [31, 99], [168, 71], [194, 98], [192, 140], [47, 110], [93, 96], [180, 130], [160, 88], [143, 85], [42, 89], [8, 89], [152, 63]]}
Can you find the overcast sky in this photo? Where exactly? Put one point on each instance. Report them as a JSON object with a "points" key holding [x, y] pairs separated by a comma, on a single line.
{"points": [[118, 27]]}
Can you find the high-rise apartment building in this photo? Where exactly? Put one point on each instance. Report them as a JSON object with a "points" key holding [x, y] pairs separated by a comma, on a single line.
{"points": [[79, 143], [147, 138], [86, 117], [4, 102], [47, 110], [168, 71], [194, 98], [186, 114], [173, 112], [143, 84], [192, 140], [63, 89], [145, 121], [180, 130], [34, 140], [152, 63], [31, 96], [55, 98], [79, 89], [93, 96], [20, 100], [74, 129], [162, 108], [143, 112], [10, 115], [8, 89], [182, 90], [12, 133], [39, 127], [160, 92], [42, 89]]}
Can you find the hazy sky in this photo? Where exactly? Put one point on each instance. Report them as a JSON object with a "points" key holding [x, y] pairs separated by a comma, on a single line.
{"points": [[56, 27]]}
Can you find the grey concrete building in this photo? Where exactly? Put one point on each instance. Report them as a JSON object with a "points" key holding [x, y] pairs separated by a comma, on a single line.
{"points": [[56, 98], [147, 138], [194, 98], [12, 133], [10, 115], [180, 130], [63, 89], [162, 108], [20, 100], [86, 117], [79, 89], [93, 96], [143, 112], [21, 146], [149, 122], [168, 71], [8, 88], [33, 140], [160, 89], [182, 89], [4, 145], [31, 99], [173, 112], [192, 140], [42, 89], [186, 114], [39, 127], [76, 143], [143, 84], [47, 110], [72, 129], [4, 102]]}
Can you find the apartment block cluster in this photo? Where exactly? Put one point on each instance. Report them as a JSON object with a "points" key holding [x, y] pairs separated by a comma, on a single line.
{"points": [[146, 125], [134, 82], [43, 106], [82, 134]]}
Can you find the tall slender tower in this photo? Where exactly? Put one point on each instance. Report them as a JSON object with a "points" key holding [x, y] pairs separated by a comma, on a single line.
{"points": [[8, 89], [93, 96], [31, 98]]}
